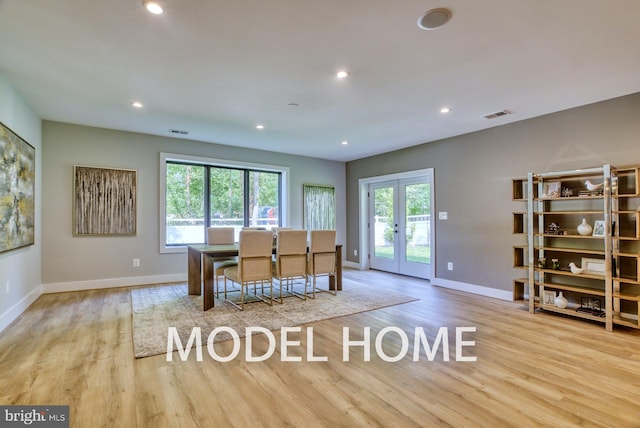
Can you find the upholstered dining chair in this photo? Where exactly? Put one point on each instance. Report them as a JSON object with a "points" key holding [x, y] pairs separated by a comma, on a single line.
{"points": [[221, 236], [291, 259], [254, 265], [322, 257]]}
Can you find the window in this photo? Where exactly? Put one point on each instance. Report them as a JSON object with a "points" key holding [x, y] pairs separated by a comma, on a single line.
{"points": [[198, 193]]}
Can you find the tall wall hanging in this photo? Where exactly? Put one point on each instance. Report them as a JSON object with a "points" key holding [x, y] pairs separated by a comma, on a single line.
{"points": [[17, 191], [104, 201]]}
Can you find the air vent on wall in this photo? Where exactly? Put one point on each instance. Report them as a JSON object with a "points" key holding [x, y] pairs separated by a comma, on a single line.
{"points": [[497, 114], [178, 131]]}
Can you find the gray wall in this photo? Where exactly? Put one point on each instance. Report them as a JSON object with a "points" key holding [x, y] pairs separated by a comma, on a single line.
{"points": [[473, 175], [92, 260], [20, 268]]}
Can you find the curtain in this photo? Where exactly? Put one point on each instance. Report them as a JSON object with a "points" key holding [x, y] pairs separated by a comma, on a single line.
{"points": [[319, 207]]}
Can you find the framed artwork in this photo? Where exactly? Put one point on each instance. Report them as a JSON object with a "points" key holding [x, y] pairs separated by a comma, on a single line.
{"points": [[548, 297], [598, 228], [319, 207], [552, 189], [593, 266], [17, 191], [104, 201]]}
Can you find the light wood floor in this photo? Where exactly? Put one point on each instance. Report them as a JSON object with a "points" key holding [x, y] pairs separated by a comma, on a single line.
{"points": [[531, 370]]}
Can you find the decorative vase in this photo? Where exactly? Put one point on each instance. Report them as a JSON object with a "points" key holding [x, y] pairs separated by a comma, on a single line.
{"points": [[555, 264], [560, 301], [584, 228]]}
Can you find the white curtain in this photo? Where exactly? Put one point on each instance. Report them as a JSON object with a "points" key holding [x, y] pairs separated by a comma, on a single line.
{"points": [[319, 207]]}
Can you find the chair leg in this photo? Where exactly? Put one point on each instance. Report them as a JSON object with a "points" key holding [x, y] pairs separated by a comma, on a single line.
{"points": [[313, 290], [241, 296]]}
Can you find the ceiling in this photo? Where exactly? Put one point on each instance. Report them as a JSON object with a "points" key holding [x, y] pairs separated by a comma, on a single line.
{"points": [[218, 68]]}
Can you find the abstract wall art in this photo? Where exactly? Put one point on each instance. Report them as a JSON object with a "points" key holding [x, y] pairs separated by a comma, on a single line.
{"points": [[17, 191], [105, 201]]}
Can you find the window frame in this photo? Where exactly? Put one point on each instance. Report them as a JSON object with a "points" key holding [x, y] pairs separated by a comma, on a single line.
{"points": [[214, 162]]}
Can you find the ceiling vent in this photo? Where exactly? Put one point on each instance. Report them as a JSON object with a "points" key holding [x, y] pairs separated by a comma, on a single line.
{"points": [[497, 114], [178, 131]]}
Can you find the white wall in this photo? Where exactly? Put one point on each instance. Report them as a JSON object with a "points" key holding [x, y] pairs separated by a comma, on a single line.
{"points": [[20, 268], [72, 263]]}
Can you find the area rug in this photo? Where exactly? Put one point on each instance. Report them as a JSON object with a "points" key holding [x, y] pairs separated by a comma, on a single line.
{"points": [[156, 308]]}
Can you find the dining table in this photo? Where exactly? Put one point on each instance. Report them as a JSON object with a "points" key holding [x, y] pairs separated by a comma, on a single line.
{"points": [[200, 269]]}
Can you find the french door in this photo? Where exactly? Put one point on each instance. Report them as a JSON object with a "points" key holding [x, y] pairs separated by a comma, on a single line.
{"points": [[400, 227]]}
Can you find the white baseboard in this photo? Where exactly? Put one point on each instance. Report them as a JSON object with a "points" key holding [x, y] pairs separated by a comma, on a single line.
{"points": [[353, 265], [474, 289], [61, 287], [16, 310]]}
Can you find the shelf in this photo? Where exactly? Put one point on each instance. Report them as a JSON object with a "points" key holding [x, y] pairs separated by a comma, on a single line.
{"points": [[573, 288], [560, 201], [626, 297], [572, 250], [568, 212], [627, 322], [548, 235], [570, 198], [519, 223], [568, 273], [572, 312]]}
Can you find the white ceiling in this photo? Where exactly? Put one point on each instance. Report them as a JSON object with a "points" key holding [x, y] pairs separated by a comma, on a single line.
{"points": [[217, 68]]}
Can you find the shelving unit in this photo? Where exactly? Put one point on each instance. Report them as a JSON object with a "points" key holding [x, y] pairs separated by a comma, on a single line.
{"points": [[626, 249], [608, 289]]}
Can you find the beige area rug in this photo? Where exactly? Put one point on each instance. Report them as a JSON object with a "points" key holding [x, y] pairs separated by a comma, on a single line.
{"points": [[157, 308]]}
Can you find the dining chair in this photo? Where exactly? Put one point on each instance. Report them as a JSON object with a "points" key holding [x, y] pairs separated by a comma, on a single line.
{"points": [[254, 265], [221, 236], [291, 260], [322, 257]]}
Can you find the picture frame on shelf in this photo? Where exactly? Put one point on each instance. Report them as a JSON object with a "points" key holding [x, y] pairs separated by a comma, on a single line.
{"points": [[552, 189], [598, 228], [548, 297], [593, 266]]}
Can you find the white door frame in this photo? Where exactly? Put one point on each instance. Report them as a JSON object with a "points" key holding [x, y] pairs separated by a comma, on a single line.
{"points": [[363, 187]]}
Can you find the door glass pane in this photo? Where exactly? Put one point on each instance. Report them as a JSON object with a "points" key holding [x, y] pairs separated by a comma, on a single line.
{"points": [[185, 204], [264, 199], [227, 197], [418, 218], [383, 222]]}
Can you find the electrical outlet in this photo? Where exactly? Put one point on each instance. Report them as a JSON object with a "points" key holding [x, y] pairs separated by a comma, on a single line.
{"points": [[443, 215], [136, 262], [355, 253], [450, 266]]}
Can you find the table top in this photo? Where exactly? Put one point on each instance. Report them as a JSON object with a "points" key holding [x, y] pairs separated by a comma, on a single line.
{"points": [[223, 249]]}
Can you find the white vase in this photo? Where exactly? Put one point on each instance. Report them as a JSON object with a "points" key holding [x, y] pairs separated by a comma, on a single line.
{"points": [[560, 301], [584, 228]]}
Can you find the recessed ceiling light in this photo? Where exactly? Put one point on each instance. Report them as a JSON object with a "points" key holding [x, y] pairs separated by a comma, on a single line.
{"points": [[445, 110], [136, 104], [259, 126], [153, 7], [344, 143], [434, 18], [341, 74]]}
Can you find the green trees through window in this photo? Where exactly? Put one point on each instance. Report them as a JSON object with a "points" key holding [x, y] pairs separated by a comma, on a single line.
{"points": [[199, 196]]}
